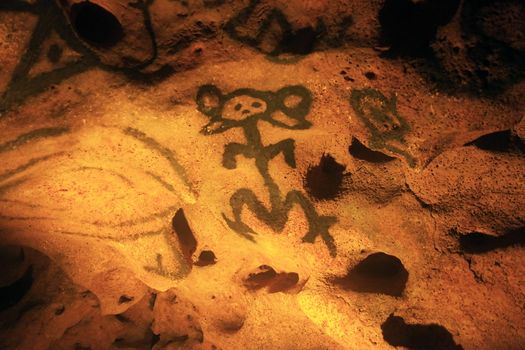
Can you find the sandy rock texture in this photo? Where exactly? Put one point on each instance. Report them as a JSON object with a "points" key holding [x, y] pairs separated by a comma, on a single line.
{"points": [[262, 174]]}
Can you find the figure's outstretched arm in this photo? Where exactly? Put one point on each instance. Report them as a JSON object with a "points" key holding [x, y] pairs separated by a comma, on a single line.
{"points": [[287, 147], [231, 151]]}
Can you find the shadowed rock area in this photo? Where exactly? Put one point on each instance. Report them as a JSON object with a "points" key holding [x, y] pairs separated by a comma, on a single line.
{"points": [[415, 336], [325, 181], [377, 273]]}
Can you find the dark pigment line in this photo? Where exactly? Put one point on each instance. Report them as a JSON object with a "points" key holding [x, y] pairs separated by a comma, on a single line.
{"points": [[243, 109], [31, 136], [114, 173], [165, 152], [32, 162], [161, 182], [29, 205], [127, 238], [10, 185], [162, 215], [24, 218]]}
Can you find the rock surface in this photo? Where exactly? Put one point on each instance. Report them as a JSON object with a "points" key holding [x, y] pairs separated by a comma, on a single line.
{"points": [[262, 174]]}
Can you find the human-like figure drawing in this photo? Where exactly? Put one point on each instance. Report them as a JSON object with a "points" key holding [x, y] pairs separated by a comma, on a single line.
{"points": [[379, 114], [245, 108]]}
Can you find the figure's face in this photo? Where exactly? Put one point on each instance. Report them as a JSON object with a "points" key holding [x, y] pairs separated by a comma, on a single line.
{"points": [[242, 107], [286, 108]]}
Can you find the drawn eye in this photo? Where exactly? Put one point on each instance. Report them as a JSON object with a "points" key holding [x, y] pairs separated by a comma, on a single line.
{"points": [[256, 104], [238, 107]]}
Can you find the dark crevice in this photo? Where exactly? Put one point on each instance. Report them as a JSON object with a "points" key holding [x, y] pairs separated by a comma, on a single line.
{"points": [[499, 141], [152, 300], [476, 242], [283, 281], [206, 257], [324, 181], [360, 151], [177, 339], [122, 318], [261, 278], [10, 295], [377, 273], [420, 200], [60, 310], [154, 340], [428, 336], [266, 276], [187, 241], [95, 24], [124, 299]]}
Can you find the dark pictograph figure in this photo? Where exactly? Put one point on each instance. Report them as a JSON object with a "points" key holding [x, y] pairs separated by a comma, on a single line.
{"points": [[245, 108], [379, 114], [293, 43]]}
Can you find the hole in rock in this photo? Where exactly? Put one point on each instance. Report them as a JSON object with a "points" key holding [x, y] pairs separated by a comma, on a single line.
{"points": [[60, 310], [206, 257], [266, 276], [325, 180], [10, 295], [499, 141], [377, 273], [432, 336], [476, 242], [283, 282], [261, 278], [360, 151], [187, 241], [124, 299], [95, 24], [409, 27], [370, 75]]}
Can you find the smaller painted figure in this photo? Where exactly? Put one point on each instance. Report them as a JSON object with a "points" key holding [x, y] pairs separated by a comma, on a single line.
{"points": [[244, 108]]}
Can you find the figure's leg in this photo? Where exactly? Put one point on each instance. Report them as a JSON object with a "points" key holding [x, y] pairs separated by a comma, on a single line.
{"points": [[231, 151], [287, 147], [318, 225], [245, 196]]}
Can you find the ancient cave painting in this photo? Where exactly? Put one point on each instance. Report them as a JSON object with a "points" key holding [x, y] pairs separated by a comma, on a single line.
{"points": [[245, 108], [22, 206], [379, 114], [51, 19], [288, 44]]}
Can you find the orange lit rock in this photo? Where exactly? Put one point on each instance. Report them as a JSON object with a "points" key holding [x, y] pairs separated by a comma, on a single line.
{"points": [[261, 174]]}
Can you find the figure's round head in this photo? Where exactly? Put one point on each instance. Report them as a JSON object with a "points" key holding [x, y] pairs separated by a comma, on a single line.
{"points": [[244, 106]]}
